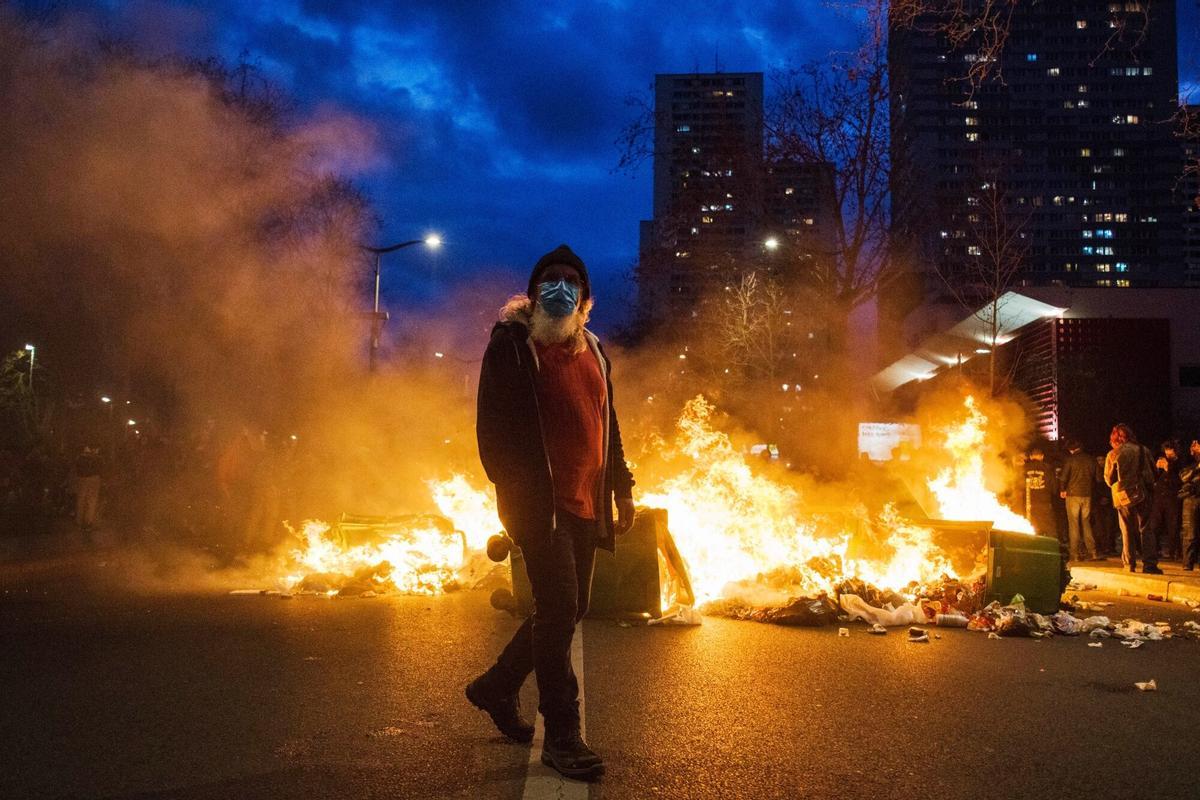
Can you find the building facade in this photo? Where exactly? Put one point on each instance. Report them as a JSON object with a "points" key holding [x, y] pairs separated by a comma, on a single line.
{"points": [[1070, 140]]}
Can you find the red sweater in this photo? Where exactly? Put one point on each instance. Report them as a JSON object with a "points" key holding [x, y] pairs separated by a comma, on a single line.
{"points": [[572, 398]]}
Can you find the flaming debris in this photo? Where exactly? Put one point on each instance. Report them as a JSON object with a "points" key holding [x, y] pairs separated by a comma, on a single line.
{"points": [[748, 538], [960, 489]]}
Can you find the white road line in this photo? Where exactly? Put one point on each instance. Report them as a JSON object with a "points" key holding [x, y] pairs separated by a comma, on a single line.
{"points": [[542, 782]]}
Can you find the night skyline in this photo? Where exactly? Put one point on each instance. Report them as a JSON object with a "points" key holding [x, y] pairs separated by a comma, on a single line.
{"points": [[495, 124]]}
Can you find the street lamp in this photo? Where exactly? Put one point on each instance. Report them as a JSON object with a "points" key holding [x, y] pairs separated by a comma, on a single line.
{"points": [[771, 243], [32, 355], [432, 241]]}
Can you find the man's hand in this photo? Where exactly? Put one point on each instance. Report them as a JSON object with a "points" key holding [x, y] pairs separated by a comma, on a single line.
{"points": [[625, 512]]}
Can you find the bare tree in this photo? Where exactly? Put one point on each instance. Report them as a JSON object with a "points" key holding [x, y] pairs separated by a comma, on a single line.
{"points": [[752, 326], [996, 246]]}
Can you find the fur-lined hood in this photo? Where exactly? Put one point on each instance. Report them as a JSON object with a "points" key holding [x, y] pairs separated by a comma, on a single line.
{"points": [[519, 309]]}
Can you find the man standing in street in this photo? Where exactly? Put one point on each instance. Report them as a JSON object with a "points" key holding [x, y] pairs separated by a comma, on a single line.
{"points": [[1127, 471], [1080, 474], [1041, 487], [549, 440]]}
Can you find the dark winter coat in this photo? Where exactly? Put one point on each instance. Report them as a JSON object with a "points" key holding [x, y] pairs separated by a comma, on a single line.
{"points": [[1080, 475], [1190, 492], [509, 432]]}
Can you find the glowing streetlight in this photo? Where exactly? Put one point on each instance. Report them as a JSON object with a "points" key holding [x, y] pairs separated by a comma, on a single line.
{"points": [[105, 399], [32, 355], [432, 241], [771, 243], [131, 422]]}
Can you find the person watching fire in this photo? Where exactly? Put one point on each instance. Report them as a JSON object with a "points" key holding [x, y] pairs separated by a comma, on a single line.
{"points": [[1128, 472], [549, 440]]}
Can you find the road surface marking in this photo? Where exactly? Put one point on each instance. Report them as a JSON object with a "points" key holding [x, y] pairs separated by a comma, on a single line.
{"points": [[542, 782]]}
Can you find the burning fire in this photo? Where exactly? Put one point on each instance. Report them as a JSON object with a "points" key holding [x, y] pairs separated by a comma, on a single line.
{"points": [[742, 534], [960, 488], [411, 555]]}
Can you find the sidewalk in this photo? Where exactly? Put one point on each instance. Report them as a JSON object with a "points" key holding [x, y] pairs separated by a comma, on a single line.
{"points": [[1173, 585]]}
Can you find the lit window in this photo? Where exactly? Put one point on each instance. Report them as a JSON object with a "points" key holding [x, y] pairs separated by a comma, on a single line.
{"points": [[1147, 70], [808, 220], [1123, 282], [1122, 266], [789, 190], [971, 121], [683, 128], [971, 104], [1031, 56], [1082, 104], [1121, 216], [706, 220], [1068, 104], [973, 136], [1088, 250], [974, 250], [1058, 200], [1081, 24], [1104, 282], [1052, 72], [1104, 233], [1104, 266], [1082, 88], [1104, 251], [1086, 234], [1085, 152], [695, 150], [1118, 152]]}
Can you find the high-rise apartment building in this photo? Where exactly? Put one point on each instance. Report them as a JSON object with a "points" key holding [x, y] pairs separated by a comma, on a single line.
{"points": [[718, 201], [708, 144], [1070, 142]]}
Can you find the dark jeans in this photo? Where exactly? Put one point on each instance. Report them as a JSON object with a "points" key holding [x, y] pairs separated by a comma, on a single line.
{"points": [[1137, 535], [559, 564], [1164, 521]]}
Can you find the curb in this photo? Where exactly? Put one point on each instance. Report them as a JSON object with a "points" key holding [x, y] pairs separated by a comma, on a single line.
{"points": [[1133, 583]]}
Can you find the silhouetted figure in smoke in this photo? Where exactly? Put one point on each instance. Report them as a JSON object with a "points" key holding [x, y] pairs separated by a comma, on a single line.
{"points": [[549, 440], [87, 488], [1128, 472]]}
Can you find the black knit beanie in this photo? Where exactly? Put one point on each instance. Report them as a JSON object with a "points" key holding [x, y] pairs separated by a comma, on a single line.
{"points": [[560, 255]]}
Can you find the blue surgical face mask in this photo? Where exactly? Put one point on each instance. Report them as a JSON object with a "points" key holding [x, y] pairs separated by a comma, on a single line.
{"points": [[559, 298]]}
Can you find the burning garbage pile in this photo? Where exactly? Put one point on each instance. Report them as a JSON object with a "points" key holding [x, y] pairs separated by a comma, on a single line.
{"points": [[755, 545]]}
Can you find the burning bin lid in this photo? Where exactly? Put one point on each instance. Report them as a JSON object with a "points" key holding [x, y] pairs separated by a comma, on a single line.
{"points": [[645, 578]]}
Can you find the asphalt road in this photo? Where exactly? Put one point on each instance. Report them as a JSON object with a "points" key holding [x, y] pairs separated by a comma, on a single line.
{"points": [[110, 695]]}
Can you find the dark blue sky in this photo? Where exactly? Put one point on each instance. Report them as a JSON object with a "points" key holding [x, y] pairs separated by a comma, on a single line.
{"points": [[496, 120]]}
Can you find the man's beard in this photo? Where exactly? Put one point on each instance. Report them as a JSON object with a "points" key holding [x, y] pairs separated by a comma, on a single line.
{"points": [[545, 329]]}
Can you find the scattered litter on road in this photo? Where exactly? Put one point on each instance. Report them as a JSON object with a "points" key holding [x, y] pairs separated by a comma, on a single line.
{"points": [[248, 591], [951, 620], [682, 615], [1133, 644], [844, 632], [1077, 586], [918, 635], [1148, 686], [1158, 598], [1095, 644], [993, 635], [877, 629]]}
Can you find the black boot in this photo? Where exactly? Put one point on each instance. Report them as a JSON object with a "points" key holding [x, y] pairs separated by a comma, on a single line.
{"points": [[571, 756], [502, 708]]}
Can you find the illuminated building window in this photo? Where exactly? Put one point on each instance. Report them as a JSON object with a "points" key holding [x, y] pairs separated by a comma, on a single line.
{"points": [[973, 137], [1086, 234], [683, 128], [1081, 24], [1031, 56], [1118, 152], [971, 104], [1082, 88], [1104, 282], [1121, 217], [974, 250], [1104, 267], [790, 190], [971, 121], [1085, 152], [1052, 72], [1122, 266], [1122, 282]]}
